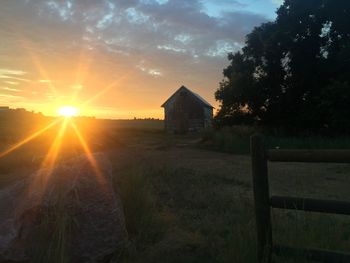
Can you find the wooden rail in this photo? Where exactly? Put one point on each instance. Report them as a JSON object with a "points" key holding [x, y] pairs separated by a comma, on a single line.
{"points": [[309, 204], [319, 255], [263, 202], [310, 156]]}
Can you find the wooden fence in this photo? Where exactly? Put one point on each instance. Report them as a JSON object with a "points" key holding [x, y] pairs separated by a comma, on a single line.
{"points": [[263, 201]]}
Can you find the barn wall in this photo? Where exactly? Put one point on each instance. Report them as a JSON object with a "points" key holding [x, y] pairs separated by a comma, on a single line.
{"points": [[191, 125], [185, 113], [208, 117]]}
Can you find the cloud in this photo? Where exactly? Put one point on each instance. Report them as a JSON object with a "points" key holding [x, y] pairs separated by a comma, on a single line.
{"points": [[5, 98], [45, 81], [6, 72], [11, 82], [77, 87], [159, 45], [277, 2], [10, 89]]}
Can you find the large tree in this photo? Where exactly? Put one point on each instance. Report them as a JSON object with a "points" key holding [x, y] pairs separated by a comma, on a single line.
{"points": [[293, 72]]}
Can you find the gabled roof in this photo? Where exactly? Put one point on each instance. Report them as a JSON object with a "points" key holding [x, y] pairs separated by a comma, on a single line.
{"points": [[199, 98]]}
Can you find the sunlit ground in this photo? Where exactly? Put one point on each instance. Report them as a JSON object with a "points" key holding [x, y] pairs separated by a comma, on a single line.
{"points": [[58, 139]]}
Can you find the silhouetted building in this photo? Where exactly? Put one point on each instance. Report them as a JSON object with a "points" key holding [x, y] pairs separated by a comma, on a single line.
{"points": [[186, 111]]}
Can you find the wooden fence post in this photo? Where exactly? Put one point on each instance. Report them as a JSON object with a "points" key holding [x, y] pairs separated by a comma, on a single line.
{"points": [[261, 198]]}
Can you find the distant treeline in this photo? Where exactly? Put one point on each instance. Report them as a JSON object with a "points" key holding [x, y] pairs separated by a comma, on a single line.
{"points": [[147, 119], [15, 123], [20, 123], [293, 73]]}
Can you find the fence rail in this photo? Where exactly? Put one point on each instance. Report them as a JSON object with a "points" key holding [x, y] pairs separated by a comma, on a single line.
{"points": [[263, 202], [309, 156], [319, 255], [309, 204]]}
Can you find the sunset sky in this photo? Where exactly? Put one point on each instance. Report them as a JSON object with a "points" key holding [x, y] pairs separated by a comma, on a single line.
{"points": [[118, 58]]}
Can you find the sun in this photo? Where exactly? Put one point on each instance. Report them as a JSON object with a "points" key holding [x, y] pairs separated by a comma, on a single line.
{"points": [[68, 111]]}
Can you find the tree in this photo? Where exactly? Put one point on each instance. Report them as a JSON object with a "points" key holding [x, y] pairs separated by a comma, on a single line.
{"points": [[293, 72]]}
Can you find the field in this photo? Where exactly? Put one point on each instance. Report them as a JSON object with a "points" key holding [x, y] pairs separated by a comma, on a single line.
{"points": [[187, 200]]}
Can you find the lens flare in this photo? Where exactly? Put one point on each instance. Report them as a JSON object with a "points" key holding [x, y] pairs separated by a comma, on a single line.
{"points": [[68, 111]]}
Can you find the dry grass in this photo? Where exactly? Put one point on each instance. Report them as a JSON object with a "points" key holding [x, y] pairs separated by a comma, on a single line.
{"points": [[204, 202], [185, 204]]}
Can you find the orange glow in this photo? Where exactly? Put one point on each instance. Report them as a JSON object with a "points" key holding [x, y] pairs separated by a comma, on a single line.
{"points": [[28, 47], [28, 139], [108, 87], [68, 111], [58, 152], [88, 153], [82, 86], [51, 156]]}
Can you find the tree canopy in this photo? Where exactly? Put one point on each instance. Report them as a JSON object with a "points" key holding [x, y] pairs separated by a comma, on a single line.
{"points": [[293, 72]]}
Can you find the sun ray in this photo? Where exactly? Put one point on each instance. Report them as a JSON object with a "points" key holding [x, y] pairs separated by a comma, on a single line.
{"points": [[88, 153], [38, 184], [27, 46], [52, 154], [28, 139], [107, 88], [83, 66]]}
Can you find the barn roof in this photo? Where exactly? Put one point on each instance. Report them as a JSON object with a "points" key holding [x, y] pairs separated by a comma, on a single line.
{"points": [[199, 98]]}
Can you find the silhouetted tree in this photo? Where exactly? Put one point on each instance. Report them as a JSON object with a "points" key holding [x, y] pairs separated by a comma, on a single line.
{"points": [[293, 72]]}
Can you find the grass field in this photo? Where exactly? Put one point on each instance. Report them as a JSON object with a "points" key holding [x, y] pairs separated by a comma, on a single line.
{"points": [[236, 140], [201, 202], [184, 203]]}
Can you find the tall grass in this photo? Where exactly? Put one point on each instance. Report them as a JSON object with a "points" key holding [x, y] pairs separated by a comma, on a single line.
{"points": [[51, 243], [173, 215], [310, 230], [236, 139], [180, 215], [142, 218]]}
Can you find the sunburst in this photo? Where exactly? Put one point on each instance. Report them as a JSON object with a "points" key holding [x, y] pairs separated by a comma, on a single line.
{"points": [[66, 111]]}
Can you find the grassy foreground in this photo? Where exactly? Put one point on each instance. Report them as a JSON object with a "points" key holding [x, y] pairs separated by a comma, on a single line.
{"points": [[180, 215], [177, 215]]}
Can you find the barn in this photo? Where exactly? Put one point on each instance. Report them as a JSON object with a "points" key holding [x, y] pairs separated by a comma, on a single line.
{"points": [[186, 111]]}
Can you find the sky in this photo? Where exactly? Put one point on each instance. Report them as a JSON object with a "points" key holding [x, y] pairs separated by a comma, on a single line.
{"points": [[119, 58]]}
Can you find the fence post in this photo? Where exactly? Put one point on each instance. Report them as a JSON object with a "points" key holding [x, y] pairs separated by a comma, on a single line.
{"points": [[261, 198]]}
